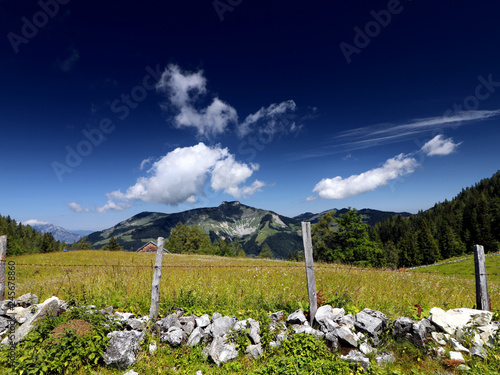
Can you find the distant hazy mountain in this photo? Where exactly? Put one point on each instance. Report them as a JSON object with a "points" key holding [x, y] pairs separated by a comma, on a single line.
{"points": [[59, 234], [370, 217], [253, 227]]}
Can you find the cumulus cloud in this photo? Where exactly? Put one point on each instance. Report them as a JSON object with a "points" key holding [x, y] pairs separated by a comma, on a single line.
{"points": [[181, 175], [34, 222], [339, 188], [440, 146], [183, 90], [277, 118], [77, 207]]}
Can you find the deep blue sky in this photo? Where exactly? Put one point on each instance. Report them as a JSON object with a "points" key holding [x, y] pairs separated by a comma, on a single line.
{"points": [[291, 106]]}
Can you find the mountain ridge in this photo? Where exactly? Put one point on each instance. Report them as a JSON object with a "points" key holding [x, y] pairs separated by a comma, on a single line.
{"points": [[252, 227]]}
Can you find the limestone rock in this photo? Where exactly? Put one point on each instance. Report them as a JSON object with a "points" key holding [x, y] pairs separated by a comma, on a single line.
{"points": [[188, 327], [203, 321], [123, 348], [27, 300], [478, 351], [296, 317], [346, 337], [196, 336], [131, 372], [438, 338], [221, 352], [50, 306], [358, 358], [222, 325], [133, 324], [456, 356], [332, 341], [308, 330], [457, 346], [449, 321], [174, 336], [385, 358], [372, 323], [255, 351], [365, 348], [169, 321], [327, 312]]}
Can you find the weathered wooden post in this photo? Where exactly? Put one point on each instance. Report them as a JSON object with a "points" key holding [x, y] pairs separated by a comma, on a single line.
{"points": [[482, 296], [3, 260], [311, 280], [155, 288]]}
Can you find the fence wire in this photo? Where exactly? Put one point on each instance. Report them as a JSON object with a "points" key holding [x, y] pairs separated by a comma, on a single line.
{"points": [[320, 266]]}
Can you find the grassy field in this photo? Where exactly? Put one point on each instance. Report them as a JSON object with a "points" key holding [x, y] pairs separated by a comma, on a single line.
{"points": [[464, 269], [240, 286], [244, 288]]}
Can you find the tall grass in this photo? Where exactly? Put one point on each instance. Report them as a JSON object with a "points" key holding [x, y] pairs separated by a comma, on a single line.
{"points": [[232, 286]]}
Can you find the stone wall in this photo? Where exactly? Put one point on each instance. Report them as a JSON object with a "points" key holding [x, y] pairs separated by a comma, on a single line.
{"points": [[466, 331]]}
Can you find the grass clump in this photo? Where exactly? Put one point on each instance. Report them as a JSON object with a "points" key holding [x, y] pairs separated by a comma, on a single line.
{"points": [[74, 341]]}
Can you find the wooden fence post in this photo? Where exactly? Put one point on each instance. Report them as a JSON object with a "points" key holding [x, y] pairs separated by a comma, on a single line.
{"points": [[482, 297], [311, 280], [3, 260], [155, 287]]}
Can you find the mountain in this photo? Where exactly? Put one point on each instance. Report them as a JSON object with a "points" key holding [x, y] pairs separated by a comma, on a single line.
{"points": [[59, 233], [370, 217], [253, 227]]}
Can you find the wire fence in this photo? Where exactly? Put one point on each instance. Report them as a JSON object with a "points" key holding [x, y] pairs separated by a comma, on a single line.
{"points": [[301, 266]]}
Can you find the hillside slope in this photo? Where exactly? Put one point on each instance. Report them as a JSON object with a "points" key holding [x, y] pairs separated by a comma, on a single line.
{"points": [[252, 226]]}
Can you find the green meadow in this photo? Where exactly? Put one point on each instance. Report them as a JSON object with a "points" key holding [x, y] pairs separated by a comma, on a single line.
{"points": [[241, 286]]}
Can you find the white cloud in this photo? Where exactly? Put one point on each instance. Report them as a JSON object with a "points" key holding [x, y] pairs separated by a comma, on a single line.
{"points": [[145, 163], [181, 175], [273, 119], [382, 134], [113, 206], [77, 207], [34, 222], [183, 89], [440, 146], [339, 188]]}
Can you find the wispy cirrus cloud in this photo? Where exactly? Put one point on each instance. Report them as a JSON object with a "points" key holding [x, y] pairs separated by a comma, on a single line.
{"points": [[383, 134], [370, 136]]}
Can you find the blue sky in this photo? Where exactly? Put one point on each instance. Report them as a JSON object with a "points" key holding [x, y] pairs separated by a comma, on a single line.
{"points": [[108, 110]]}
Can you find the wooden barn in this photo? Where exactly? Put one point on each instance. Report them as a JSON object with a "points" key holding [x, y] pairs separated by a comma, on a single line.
{"points": [[150, 247]]}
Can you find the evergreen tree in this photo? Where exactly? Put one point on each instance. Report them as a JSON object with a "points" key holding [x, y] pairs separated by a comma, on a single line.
{"points": [[84, 244], [113, 245], [189, 240], [266, 252], [427, 245]]}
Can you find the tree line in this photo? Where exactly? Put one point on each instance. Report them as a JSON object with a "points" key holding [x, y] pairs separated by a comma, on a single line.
{"points": [[449, 229], [23, 239]]}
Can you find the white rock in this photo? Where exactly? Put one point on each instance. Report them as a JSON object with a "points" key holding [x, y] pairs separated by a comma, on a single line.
{"points": [[366, 349], [456, 356], [457, 346], [152, 347], [438, 338]]}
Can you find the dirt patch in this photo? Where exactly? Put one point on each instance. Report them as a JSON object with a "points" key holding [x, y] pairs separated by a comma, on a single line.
{"points": [[80, 327]]}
